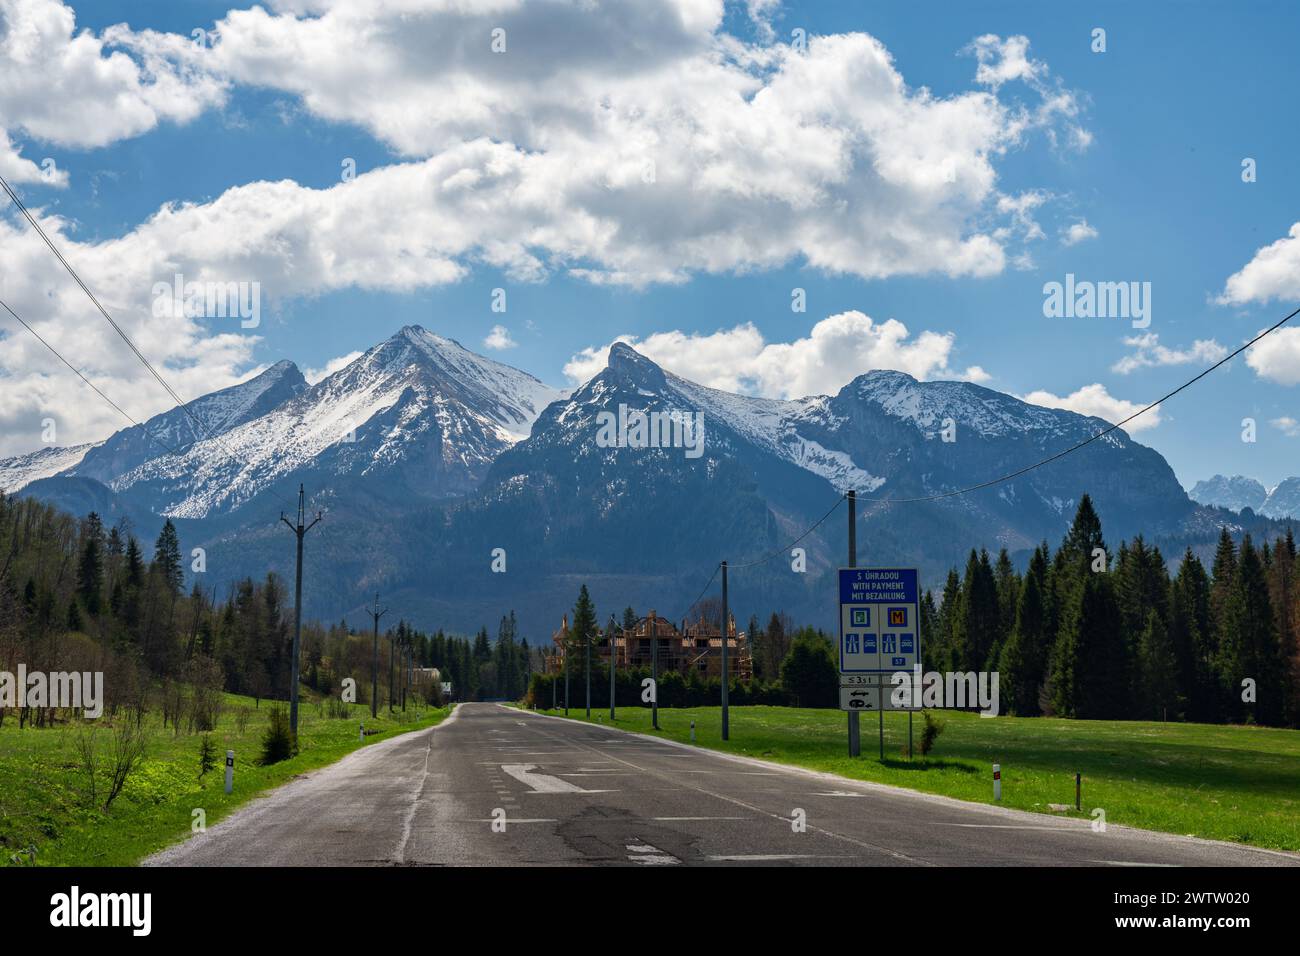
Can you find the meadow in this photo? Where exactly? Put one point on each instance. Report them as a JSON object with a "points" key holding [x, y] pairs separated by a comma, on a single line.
{"points": [[48, 816]]}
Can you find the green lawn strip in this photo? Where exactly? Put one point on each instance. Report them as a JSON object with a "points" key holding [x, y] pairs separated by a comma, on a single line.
{"points": [[1235, 783], [43, 787]]}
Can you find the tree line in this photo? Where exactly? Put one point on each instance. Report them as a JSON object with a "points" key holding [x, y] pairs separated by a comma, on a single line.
{"points": [[76, 595], [1093, 633]]}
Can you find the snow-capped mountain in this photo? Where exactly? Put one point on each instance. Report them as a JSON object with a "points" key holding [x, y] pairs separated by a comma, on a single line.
{"points": [[428, 458], [1283, 501], [1233, 493], [417, 413], [1238, 492], [178, 429], [20, 471]]}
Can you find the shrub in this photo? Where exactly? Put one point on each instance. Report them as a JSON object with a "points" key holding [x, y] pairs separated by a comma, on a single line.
{"points": [[930, 732], [278, 742], [207, 755]]}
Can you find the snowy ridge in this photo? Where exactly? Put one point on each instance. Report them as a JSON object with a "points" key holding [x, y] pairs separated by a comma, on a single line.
{"points": [[416, 397], [20, 471]]}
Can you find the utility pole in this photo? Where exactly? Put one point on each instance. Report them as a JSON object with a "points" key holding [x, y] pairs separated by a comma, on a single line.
{"points": [[613, 657], [300, 530], [855, 732], [654, 668], [586, 639], [726, 675], [555, 684], [392, 663], [374, 660], [568, 646]]}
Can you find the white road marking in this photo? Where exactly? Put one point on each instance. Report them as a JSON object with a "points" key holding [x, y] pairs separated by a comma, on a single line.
{"points": [[765, 857], [647, 855], [671, 819], [543, 782]]}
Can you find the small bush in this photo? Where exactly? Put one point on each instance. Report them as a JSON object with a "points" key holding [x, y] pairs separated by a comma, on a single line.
{"points": [[207, 755], [930, 732], [278, 743]]}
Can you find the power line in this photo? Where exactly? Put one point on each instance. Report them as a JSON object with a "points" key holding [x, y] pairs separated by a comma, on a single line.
{"points": [[180, 403], [1088, 441], [81, 376]]}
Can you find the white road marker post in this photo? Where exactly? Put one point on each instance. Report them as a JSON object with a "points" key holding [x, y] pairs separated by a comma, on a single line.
{"points": [[361, 735], [230, 770], [692, 731], [997, 781]]}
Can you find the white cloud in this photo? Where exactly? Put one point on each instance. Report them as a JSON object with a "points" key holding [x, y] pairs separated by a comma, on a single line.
{"points": [[628, 143], [1276, 357], [1078, 232], [838, 349], [499, 338], [1287, 426], [1094, 400], [314, 375], [1149, 353], [77, 89], [1273, 273], [669, 146], [1001, 61]]}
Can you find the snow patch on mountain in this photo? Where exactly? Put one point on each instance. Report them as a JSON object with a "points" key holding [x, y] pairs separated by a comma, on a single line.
{"points": [[20, 471]]}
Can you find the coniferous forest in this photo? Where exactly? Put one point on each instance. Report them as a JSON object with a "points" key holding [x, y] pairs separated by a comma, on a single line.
{"points": [[1087, 630]]}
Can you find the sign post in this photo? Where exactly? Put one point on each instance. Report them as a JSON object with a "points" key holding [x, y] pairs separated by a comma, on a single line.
{"points": [[879, 636]]}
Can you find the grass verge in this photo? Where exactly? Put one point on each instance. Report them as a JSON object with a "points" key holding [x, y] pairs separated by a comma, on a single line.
{"points": [[47, 819]]}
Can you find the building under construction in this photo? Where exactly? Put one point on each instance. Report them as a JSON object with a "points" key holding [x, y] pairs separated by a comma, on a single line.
{"points": [[695, 646]]}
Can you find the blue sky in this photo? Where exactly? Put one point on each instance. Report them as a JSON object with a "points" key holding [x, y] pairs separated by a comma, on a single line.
{"points": [[1180, 96]]}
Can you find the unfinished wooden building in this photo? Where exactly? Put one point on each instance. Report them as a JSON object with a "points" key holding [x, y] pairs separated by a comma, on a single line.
{"points": [[695, 646]]}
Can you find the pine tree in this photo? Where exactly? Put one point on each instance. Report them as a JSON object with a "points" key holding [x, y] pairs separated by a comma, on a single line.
{"points": [[1249, 647], [167, 557], [581, 630], [90, 569], [1089, 680], [1191, 639], [944, 656], [1024, 659], [929, 633], [1157, 671], [977, 625]]}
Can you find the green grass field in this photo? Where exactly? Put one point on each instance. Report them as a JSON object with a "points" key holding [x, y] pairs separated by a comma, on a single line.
{"points": [[44, 817], [1225, 783]]}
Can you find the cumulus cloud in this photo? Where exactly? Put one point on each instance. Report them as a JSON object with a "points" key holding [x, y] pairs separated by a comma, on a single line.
{"points": [[836, 350], [1002, 60], [671, 146], [1094, 400], [499, 338], [1277, 356], [1149, 353], [627, 143], [1272, 273], [1287, 425], [1078, 232], [77, 89], [314, 375]]}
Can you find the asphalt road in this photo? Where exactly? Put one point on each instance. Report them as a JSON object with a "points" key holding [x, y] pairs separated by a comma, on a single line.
{"points": [[498, 786]]}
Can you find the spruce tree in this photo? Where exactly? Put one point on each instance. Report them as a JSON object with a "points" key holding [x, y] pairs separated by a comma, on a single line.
{"points": [[1191, 639], [167, 557], [1157, 671], [1024, 658]]}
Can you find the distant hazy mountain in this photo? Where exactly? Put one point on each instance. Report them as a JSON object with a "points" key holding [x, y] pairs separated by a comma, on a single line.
{"points": [[427, 458], [1240, 492], [1233, 493], [1283, 501]]}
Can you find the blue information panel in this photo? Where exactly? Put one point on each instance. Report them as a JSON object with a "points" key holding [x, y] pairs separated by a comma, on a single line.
{"points": [[880, 629]]}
